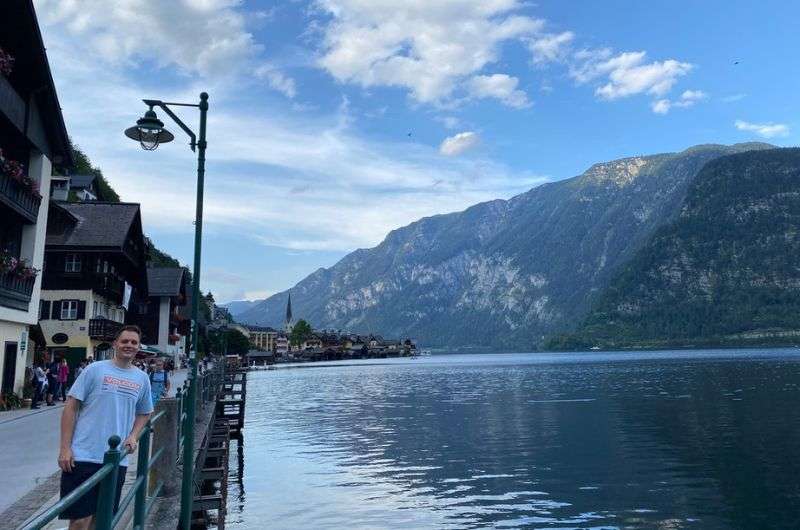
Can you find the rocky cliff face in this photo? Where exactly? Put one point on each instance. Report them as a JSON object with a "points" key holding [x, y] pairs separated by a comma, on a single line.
{"points": [[724, 271], [501, 274]]}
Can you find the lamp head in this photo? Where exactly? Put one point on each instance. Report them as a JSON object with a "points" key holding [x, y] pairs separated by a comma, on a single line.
{"points": [[149, 131]]}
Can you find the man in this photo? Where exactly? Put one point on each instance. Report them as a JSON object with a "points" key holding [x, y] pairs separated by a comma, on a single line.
{"points": [[159, 380], [109, 398], [40, 383]]}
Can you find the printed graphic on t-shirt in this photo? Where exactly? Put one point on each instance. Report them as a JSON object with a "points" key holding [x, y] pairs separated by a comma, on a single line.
{"points": [[121, 386]]}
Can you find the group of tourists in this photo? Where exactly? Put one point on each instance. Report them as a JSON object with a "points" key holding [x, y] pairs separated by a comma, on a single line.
{"points": [[50, 381]]}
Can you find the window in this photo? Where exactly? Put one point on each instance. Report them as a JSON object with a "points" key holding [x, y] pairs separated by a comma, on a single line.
{"points": [[69, 309], [72, 263], [94, 309], [44, 309]]}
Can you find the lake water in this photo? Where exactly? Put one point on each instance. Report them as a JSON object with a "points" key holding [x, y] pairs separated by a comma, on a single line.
{"points": [[666, 440]]}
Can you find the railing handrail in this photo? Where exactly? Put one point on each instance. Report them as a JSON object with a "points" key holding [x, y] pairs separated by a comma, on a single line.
{"points": [[137, 494]]}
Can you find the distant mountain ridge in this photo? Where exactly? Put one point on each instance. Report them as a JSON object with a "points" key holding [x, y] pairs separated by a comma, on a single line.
{"points": [[503, 274], [724, 272]]}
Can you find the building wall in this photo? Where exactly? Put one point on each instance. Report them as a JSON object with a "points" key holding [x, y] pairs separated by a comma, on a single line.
{"points": [[77, 331], [13, 322], [163, 323]]}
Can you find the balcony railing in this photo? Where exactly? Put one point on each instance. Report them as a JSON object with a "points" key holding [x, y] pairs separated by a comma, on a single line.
{"points": [[18, 198], [103, 329], [109, 286], [15, 292]]}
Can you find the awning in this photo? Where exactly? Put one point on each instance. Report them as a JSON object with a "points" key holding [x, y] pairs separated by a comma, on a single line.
{"points": [[150, 351]]}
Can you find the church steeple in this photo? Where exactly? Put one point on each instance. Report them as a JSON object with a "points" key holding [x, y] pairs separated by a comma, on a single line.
{"points": [[289, 324]]}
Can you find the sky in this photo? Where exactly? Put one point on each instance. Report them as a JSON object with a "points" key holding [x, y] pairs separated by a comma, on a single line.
{"points": [[332, 122]]}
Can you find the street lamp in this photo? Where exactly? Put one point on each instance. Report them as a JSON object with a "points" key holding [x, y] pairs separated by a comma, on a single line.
{"points": [[149, 131]]}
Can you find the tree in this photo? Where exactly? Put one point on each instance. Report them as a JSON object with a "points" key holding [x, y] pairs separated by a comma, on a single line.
{"points": [[231, 341], [300, 333], [83, 166]]}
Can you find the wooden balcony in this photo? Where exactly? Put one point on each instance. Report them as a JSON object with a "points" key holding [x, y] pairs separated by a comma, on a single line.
{"points": [[20, 199], [15, 292], [103, 329]]}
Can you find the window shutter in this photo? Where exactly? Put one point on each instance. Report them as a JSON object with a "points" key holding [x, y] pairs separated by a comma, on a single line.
{"points": [[81, 309], [56, 314], [44, 310]]}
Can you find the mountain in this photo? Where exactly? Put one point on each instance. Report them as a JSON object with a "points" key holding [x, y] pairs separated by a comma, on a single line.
{"points": [[726, 271], [238, 307], [502, 274]]}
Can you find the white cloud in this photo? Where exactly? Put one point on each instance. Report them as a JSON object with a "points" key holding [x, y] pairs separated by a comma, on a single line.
{"points": [[459, 143], [198, 36], [257, 294], [450, 122], [429, 48], [551, 47], [627, 73], [277, 80], [733, 98], [500, 86], [661, 106], [687, 99], [765, 130], [690, 97]]}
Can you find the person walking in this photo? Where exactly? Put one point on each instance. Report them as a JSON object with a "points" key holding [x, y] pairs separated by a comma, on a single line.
{"points": [[159, 381], [109, 398], [63, 376], [39, 385], [52, 381]]}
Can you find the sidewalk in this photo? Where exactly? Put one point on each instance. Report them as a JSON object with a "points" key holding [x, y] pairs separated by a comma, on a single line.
{"points": [[30, 454]]}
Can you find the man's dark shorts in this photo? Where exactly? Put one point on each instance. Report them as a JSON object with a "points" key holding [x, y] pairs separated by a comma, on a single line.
{"points": [[87, 504]]}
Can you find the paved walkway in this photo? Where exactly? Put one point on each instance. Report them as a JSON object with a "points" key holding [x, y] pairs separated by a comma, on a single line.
{"points": [[30, 447]]}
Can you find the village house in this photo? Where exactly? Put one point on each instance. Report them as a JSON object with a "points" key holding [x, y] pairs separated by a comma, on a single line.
{"points": [[164, 322], [262, 338], [33, 139], [94, 277]]}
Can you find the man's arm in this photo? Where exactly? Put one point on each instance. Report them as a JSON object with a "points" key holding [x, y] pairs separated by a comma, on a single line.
{"points": [[133, 438], [66, 460]]}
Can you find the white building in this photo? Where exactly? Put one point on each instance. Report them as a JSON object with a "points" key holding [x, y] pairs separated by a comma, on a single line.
{"points": [[33, 138]]}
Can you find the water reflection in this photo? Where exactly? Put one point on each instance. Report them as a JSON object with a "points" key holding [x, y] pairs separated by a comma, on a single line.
{"points": [[604, 441]]}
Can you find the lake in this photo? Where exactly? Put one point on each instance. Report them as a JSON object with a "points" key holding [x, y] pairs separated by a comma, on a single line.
{"points": [[666, 440]]}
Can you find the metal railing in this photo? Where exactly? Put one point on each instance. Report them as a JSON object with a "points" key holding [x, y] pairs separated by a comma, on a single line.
{"points": [[208, 385], [107, 517]]}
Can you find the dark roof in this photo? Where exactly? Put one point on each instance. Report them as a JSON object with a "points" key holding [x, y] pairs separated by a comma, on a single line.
{"points": [[260, 353], [99, 224], [258, 328], [81, 181], [165, 281]]}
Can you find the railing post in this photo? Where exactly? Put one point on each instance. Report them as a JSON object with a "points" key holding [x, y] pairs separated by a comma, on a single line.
{"points": [[166, 470], [108, 486], [142, 469], [179, 398]]}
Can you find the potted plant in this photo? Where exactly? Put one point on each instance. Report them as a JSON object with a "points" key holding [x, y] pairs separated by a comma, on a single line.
{"points": [[16, 171], [6, 63]]}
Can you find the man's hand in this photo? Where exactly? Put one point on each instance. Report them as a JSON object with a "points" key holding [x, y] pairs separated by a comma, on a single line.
{"points": [[65, 460], [130, 443]]}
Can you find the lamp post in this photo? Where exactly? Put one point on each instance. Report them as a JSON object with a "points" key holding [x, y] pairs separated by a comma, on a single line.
{"points": [[149, 131]]}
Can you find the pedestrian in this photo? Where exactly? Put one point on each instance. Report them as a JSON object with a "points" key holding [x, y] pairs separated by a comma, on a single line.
{"points": [[79, 369], [39, 385], [159, 381], [52, 381], [63, 375], [113, 398]]}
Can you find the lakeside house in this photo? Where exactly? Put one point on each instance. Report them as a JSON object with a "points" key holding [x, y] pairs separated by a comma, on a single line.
{"points": [[164, 322], [33, 140], [94, 277], [262, 337]]}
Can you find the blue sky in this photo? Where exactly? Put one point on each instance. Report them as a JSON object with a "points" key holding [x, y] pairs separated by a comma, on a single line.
{"points": [[335, 121]]}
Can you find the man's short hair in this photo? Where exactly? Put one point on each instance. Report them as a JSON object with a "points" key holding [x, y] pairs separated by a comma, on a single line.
{"points": [[129, 327]]}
